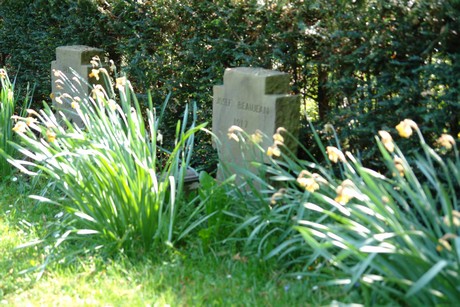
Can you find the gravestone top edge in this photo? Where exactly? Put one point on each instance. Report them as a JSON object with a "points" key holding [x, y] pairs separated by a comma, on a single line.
{"points": [[77, 48], [255, 72], [76, 55]]}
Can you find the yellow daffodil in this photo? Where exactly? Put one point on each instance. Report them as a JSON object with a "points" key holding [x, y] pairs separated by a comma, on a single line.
{"points": [[446, 141], [2, 74], [75, 105], [30, 121], [345, 192], [308, 181], [120, 83], [277, 195], [444, 243], [273, 151], [308, 184], [20, 127], [233, 136], [281, 129], [231, 133], [57, 73], [50, 136], [112, 104], [235, 128], [58, 99], [455, 219], [387, 140], [278, 138], [334, 154], [94, 74], [257, 137], [95, 61], [98, 92], [399, 165], [405, 128], [59, 84], [10, 95]]}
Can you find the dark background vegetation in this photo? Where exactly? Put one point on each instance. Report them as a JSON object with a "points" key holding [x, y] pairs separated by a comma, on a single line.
{"points": [[366, 64]]}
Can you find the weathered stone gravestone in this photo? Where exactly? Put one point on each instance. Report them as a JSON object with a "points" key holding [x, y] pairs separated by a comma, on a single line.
{"points": [[253, 99], [71, 60]]}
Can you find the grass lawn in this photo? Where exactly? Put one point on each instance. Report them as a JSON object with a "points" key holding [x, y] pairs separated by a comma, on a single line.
{"points": [[186, 277]]}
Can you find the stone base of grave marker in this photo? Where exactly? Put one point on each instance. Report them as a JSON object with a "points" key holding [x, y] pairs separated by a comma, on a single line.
{"points": [[253, 99], [71, 60]]}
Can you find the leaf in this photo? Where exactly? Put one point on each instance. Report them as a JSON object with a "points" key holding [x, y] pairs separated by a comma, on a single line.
{"points": [[426, 278]]}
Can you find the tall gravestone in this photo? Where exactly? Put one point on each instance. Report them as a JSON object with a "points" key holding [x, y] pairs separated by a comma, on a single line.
{"points": [[253, 99], [71, 60]]}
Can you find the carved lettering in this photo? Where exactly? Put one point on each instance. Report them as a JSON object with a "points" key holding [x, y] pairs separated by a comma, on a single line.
{"points": [[223, 101], [242, 123], [256, 108]]}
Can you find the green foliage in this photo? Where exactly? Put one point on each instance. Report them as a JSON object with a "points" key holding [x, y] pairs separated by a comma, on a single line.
{"points": [[8, 106], [390, 60], [394, 235], [117, 191], [366, 64]]}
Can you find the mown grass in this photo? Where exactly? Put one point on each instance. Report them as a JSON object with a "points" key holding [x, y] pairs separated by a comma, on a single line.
{"points": [[187, 277]]}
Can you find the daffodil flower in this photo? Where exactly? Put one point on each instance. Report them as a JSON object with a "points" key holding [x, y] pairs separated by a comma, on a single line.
{"points": [[278, 138], [120, 83], [387, 140], [399, 165], [307, 181], [345, 192], [50, 136], [257, 137], [446, 141], [334, 154], [94, 74], [273, 151], [405, 128], [20, 127]]}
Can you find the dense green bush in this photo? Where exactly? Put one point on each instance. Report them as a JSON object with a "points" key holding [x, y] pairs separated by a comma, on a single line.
{"points": [[388, 60], [365, 63], [181, 47]]}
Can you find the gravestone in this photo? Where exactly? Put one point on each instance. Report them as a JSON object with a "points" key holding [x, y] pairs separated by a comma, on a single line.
{"points": [[71, 60], [253, 99]]}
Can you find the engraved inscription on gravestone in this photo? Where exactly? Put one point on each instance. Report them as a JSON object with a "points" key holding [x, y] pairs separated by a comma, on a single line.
{"points": [[76, 58], [253, 98]]}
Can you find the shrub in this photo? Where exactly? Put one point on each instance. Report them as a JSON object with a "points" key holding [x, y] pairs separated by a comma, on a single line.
{"points": [[117, 191]]}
